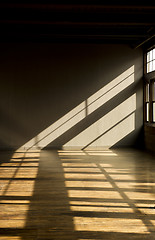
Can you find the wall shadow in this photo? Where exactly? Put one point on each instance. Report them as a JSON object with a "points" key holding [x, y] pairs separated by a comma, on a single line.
{"points": [[41, 83], [102, 103]]}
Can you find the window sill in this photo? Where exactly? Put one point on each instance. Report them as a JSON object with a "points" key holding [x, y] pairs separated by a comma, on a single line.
{"points": [[149, 124], [149, 76]]}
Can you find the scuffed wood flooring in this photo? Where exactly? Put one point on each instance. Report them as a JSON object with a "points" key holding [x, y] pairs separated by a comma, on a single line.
{"points": [[77, 195]]}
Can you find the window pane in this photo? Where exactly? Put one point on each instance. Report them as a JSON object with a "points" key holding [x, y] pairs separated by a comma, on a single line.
{"points": [[154, 53], [153, 111], [150, 88], [147, 112], [148, 67], [151, 55], [153, 91], [147, 92], [151, 61], [148, 57], [153, 67]]}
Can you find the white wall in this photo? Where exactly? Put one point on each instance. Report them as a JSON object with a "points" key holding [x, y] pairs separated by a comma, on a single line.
{"points": [[71, 95]]}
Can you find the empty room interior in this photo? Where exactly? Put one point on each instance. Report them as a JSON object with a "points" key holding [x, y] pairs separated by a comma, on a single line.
{"points": [[77, 120]]}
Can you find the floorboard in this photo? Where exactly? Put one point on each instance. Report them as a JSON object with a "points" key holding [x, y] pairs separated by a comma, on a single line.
{"points": [[77, 195]]}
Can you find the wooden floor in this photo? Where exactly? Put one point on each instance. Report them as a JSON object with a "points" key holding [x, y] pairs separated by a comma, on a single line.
{"points": [[77, 195]]}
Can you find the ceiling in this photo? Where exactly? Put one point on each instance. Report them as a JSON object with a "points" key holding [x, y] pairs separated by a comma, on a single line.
{"points": [[78, 21]]}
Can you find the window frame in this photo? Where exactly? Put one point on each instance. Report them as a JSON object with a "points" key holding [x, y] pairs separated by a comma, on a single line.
{"points": [[150, 60], [149, 90]]}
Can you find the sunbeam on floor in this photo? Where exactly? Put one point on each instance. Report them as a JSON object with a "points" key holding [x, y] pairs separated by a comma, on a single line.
{"points": [[79, 195]]}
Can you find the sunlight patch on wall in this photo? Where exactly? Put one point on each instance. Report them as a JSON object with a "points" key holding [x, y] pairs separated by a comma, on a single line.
{"points": [[111, 89], [111, 128], [116, 133], [81, 111]]}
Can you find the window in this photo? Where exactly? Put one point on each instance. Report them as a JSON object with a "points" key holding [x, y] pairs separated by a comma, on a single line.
{"points": [[147, 102], [151, 60], [153, 100], [149, 90]]}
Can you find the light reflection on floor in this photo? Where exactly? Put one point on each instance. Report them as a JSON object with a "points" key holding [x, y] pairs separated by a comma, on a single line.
{"points": [[109, 195], [77, 197], [86, 152], [110, 225]]}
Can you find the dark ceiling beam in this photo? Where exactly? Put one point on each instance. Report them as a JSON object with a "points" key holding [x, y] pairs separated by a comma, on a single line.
{"points": [[105, 37], [105, 14], [128, 23], [77, 6], [76, 24]]}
